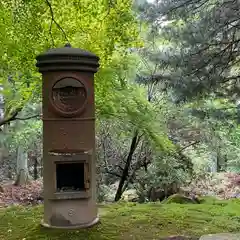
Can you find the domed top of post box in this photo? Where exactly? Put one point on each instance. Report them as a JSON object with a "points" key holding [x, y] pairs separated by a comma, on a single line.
{"points": [[67, 59]]}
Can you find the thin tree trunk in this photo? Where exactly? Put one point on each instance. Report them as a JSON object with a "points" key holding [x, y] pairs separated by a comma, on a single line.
{"points": [[125, 173], [219, 167], [22, 167], [35, 168], [214, 167]]}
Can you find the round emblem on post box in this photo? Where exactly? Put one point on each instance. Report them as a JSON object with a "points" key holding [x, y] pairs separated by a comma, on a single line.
{"points": [[69, 96]]}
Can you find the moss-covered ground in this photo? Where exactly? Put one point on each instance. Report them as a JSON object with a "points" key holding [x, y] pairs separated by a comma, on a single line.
{"points": [[127, 221]]}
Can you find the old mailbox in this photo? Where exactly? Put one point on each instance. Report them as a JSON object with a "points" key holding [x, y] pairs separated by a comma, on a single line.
{"points": [[68, 137]]}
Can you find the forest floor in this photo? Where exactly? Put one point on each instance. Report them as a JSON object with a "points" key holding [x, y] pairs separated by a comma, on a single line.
{"points": [[219, 185], [125, 221]]}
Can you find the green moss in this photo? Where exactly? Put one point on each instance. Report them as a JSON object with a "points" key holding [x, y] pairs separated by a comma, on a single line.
{"points": [[127, 221], [178, 198], [214, 201]]}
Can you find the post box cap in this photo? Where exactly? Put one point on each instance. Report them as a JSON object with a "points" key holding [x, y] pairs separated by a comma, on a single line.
{"points": [[67, 59]]}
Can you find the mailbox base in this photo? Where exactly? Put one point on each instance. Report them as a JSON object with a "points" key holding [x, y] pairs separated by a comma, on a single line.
{"points": [[70, 213], [76, 226]]}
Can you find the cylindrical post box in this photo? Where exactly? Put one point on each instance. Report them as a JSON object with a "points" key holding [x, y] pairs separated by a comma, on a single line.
{"points": [[68, 112]]}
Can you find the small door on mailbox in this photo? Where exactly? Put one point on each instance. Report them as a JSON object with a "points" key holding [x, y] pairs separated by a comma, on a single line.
{"points": [[72, 176], [69, 95]]}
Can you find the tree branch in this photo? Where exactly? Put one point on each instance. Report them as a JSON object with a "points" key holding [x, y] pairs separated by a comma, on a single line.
{"points": [[185, 4], [113, 173], [14, 118], [189, 145], [29, 117], [57, 24]]}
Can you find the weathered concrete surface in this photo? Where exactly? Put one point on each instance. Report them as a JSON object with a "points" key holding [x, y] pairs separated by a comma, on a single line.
{"points": [[221, 236]]}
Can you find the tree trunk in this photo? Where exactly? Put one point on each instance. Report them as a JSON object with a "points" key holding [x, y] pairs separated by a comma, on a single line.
{"points": [[214, 167], [22, 167], [35, 168], [125, 173], [218, 160], [32, 158]]}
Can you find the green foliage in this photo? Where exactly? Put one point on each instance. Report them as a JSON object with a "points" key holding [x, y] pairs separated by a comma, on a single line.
{"points": [[109, 29], [28, 136], [166, 172], [26, 133], [211, 124], [125, 221], [199, 53], [189, 63], [105, 29]]}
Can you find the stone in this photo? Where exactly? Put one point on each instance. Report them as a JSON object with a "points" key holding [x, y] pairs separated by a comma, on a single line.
{"points": [[129, 195], [179, 238], [221, 236], [178, 198]]}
